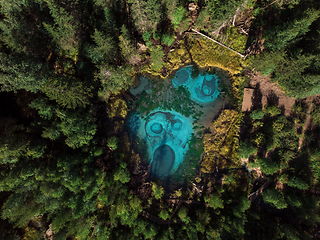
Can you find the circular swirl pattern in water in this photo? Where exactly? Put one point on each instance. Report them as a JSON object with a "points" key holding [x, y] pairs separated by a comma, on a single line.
{"points": [[207, 91], [156, 128], [208, 87], [156, 125], [202, 87], [176, 124], [182, 77]]}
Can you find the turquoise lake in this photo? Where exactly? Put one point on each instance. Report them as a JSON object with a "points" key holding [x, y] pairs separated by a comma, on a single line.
{"points": [[166, 131]]}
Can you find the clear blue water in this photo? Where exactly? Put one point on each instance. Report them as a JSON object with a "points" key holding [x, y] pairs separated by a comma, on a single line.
{"points": [[168, 132], [203, 88]]}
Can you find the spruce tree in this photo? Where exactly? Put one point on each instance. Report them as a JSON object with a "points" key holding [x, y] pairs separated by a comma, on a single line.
{"points": [[128, 50], [281, 35], [146, 14], [63, 30]]}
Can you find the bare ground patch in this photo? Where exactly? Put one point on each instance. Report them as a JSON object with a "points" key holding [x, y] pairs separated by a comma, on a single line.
{"points": [[308, 121], [268, 92]]}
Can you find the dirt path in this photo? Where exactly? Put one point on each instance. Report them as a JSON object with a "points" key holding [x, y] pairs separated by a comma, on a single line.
{"points": [[268, 92], [307, 123]]}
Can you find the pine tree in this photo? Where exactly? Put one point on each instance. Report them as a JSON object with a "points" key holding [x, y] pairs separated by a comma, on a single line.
{"points": [[13, 141], [67, 92], [77, 126], [104, 48], [247, 149], [20, 209], [21, 73], [113, 80], [129, 52], [63, 31], [275, 198], [20, 30], [146, 14], [268, 166], [292, 75], [280, 36], [122, 175], [220, 12], [268, 61]]}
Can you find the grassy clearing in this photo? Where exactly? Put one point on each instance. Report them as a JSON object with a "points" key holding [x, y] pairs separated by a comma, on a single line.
{"points": [[207, 53]]}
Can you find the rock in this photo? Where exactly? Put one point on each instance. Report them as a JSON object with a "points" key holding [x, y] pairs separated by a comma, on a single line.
{"points": [[192, 6], [49, 233], [142, 47]]}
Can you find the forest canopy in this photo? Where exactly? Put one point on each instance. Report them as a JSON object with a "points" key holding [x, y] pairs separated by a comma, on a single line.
{"points": [[69, 168]]}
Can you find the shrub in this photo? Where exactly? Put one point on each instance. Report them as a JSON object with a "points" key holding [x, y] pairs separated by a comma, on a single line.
{"points": [[257, 124], [167, 39], [157, 190], [214, 201], [113, 143], [274, 198], [156, 58], [146, 36], [164, 214], [246, 149], [272, 110], [257, 114]]}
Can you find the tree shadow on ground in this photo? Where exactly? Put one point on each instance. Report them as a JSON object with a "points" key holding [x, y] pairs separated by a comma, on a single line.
{"points": [[256, 98], [272, 99], [244, 129]]}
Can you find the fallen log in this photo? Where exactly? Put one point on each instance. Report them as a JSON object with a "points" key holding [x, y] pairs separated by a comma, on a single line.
{"points": [[221, 44]]}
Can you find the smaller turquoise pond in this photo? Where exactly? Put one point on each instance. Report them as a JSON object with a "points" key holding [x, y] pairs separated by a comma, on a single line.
{"points": [[203, 88], [163, 126]]}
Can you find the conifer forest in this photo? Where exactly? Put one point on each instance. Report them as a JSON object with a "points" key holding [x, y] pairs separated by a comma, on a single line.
{"points": [[159, 119]]}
